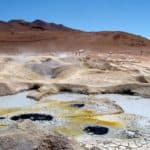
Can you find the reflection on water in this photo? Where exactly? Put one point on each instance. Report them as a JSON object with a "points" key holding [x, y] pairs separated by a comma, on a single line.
{"points": [[17, 100], [130, 104]]}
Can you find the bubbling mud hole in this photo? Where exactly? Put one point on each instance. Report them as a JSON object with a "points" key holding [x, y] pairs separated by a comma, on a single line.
{"points": [[126, 92], [45, 68], [77, 105], [97, 130], [33, 117], [1, 118]]}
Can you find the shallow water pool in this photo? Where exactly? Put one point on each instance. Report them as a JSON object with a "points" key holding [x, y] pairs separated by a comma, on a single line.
{"points": [[16, 100], [130, 104], [65, 96]]}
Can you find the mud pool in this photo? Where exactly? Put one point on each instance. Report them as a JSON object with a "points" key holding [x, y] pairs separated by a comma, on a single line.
{"points": [[80, 117], [131, 104], [33, 117], [64, 96], [16, 101]]}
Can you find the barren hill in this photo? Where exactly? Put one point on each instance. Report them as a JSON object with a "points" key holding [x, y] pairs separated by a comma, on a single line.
{"points": [[39, 36]]}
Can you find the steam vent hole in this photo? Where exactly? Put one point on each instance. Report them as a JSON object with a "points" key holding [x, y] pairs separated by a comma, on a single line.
{"points": [[77, 105], [2, 118], [97, 130], [33, 117]]}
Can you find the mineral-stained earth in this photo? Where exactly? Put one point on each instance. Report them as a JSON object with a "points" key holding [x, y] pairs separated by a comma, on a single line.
{"points": [[73, 101]]}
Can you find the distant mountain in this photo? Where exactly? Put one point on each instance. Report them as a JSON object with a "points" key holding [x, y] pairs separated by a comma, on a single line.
{"points": [[37, 25], [40, 36]]}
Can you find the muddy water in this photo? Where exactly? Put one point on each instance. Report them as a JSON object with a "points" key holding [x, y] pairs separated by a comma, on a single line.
{"points": [[65, 96], [73, 121], [130, 104], [15, 101]]}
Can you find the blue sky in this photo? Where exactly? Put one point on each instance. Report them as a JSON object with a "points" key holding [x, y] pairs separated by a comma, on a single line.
{"points": [[90, 15]]}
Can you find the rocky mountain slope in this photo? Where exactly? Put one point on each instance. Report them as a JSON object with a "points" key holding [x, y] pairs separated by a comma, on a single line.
{"points": [[39, 36]]}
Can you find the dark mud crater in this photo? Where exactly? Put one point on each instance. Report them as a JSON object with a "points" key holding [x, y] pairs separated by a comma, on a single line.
{"points": [[77, 105], [97, 130], [33, 117], [1, 118]]}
